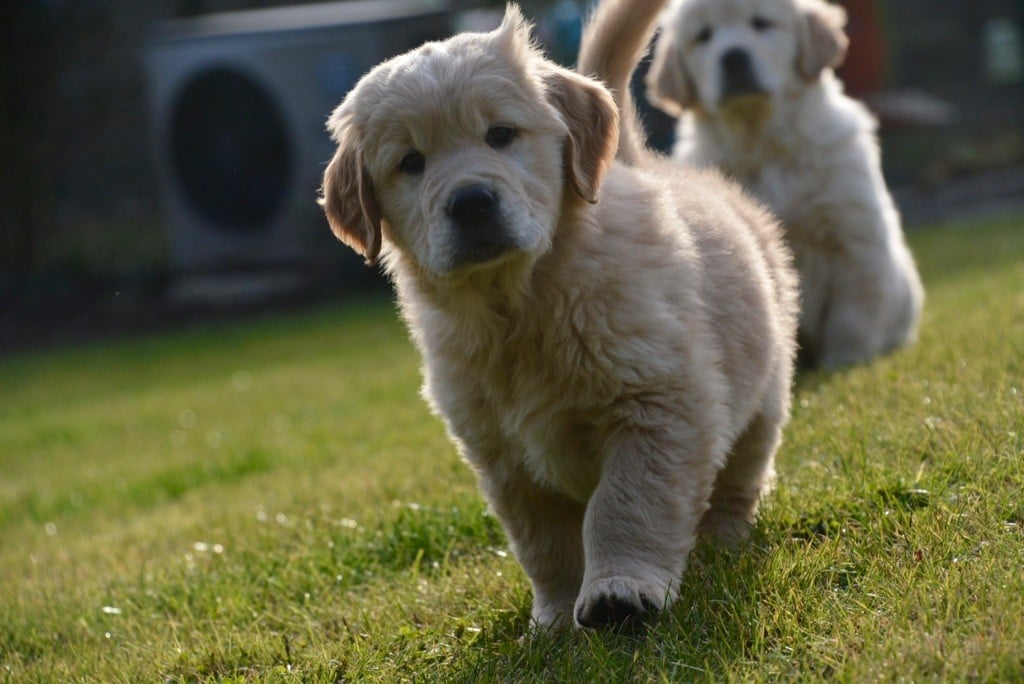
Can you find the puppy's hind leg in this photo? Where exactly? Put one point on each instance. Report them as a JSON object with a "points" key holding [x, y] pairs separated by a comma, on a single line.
{"points": [[746, 477]]}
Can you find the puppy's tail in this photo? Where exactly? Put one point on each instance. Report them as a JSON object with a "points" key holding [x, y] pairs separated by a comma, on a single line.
{"points": [[615, 38]]}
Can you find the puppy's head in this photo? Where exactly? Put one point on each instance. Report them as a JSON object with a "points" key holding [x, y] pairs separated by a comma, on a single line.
{"points": [[716, 52], [458, 155]]}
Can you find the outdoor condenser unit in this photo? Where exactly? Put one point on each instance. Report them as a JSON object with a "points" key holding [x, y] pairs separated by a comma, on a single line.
{"points": [[238, 104]]}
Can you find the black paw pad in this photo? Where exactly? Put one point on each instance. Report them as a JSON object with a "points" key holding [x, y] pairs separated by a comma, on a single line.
{"points": [[612, 611]]}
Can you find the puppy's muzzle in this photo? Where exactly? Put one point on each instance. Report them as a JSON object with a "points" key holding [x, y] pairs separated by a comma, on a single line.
{"points": [[480, 233], [738, 76]]}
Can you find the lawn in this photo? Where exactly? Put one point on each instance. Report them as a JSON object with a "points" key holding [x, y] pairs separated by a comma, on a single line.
{"points": [[272, 501]]}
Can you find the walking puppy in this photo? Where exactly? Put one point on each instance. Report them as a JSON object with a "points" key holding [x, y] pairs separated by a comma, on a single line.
{"points": [[610, 346], [753, 85]]}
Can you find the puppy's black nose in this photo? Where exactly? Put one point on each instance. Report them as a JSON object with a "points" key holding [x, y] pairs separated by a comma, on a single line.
{"points": [[736, 61], [473, 206], [480, 234], [738, 74]]}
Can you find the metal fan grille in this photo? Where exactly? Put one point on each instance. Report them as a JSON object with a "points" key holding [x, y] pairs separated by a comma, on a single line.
{"points": [[230, 150]]}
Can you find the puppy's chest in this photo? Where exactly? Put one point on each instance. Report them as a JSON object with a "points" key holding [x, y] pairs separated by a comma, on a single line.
{"points": [[777, 185], [562, 452], [551, 403], [795, 195]]}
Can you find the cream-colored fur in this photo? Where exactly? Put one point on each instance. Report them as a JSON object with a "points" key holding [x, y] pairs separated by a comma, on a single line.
{"points": [[789, 134], [609, 346]]}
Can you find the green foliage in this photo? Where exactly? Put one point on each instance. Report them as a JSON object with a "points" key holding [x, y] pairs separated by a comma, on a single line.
{"points": [[272, 501]]}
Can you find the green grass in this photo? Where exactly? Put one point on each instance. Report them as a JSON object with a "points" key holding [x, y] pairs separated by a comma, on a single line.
{"points": [[272, 501]]}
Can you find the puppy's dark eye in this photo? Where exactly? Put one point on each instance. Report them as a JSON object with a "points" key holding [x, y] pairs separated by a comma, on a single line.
{"points": [[704, 35], [500, 136], [412, 163], [761, 24]]}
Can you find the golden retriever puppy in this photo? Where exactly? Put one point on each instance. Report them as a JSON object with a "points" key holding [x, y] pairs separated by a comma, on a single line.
{"points": [[609, 347], [753, 85]]}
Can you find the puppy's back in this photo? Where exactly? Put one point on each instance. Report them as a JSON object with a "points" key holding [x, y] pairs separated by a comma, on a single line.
{"points": [[748, 280], [750, 288]]}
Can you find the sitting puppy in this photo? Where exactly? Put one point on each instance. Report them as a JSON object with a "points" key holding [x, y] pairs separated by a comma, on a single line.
{"points": [[609, 347], [752, 82]]}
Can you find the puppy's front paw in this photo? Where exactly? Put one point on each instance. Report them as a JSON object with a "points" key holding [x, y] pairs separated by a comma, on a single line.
{"points": [[616, 601]]}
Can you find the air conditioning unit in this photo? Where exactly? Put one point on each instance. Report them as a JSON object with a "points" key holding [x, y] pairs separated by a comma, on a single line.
{"points": [[238, 105]]}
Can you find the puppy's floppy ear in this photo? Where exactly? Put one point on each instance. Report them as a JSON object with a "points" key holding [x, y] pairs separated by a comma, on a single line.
{"points": [[348, 199], [592, 120], [821, 41], [669, 87]]}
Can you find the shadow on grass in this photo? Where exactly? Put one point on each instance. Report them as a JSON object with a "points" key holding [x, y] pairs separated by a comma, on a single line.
{"points": [[713, 623], [809, 380], [881, 510]]}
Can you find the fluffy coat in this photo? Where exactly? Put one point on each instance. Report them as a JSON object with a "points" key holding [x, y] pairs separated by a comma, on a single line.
{"points": [[752, 83], [609, 345]]}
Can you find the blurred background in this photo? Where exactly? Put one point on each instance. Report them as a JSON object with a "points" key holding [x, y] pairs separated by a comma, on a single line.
{"points": [[161, 159]]}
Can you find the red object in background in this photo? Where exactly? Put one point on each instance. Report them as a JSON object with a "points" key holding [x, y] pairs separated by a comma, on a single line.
{"points": [[864, 71]]}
